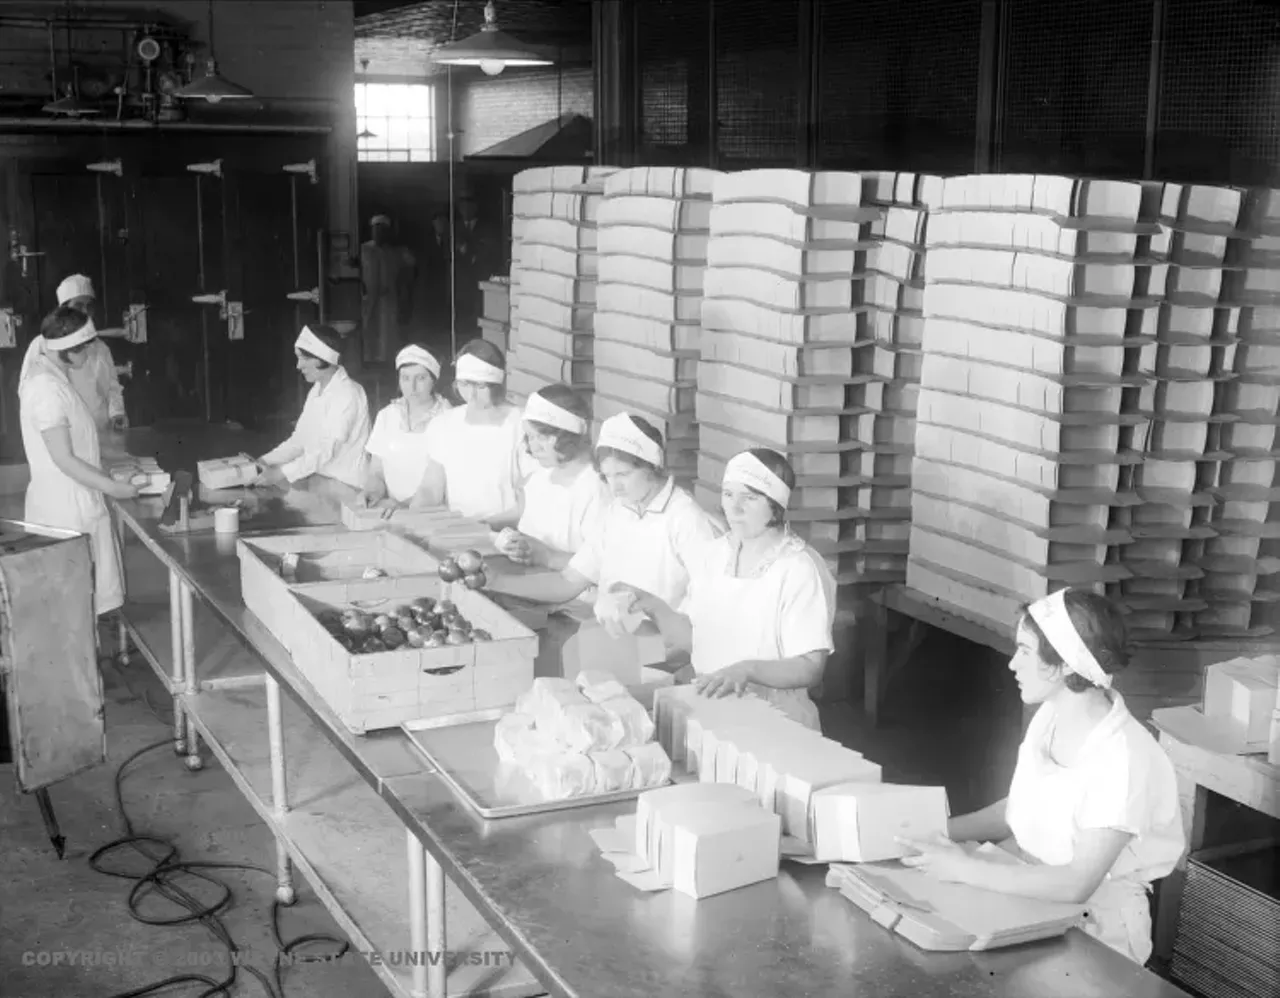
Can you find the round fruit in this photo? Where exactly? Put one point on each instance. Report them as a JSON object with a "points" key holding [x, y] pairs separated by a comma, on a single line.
{"points": [[356, 625], [404, 621], [424, 603], [458, 638], [470, 561], [446, 606], [382, 621], [346, 641], [474, 580], [393, 637], [480, 634], [415, 638], [373, 573], [434, 641], [449, 570], [372, 646]]}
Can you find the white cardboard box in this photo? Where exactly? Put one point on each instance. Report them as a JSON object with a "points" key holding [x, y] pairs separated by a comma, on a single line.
{"points": [[1245, 691], [861, 822]]}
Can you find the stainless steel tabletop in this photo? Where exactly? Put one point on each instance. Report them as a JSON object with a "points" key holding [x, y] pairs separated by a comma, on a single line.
{"points": [[581, 931]]}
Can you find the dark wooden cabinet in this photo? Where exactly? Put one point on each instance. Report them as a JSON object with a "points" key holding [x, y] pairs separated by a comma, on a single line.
{"points": [[158, 234]]}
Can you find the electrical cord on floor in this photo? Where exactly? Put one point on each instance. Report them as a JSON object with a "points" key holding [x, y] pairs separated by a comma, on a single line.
{"points": [[161, 879]]}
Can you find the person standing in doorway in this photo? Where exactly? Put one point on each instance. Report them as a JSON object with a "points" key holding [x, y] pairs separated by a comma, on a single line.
{"points": [[96, 380], [388, 273]]}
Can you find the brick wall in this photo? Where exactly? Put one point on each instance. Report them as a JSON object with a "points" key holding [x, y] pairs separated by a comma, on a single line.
{"points": [[493, 109]]}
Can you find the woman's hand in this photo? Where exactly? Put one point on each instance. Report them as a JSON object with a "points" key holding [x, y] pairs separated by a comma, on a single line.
{"points": [[270, 476], [729, 681], [122, 490], [939, 857]]}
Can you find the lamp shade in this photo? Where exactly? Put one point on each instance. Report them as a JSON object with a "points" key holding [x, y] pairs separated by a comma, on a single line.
{"points": [[489, 46], [213, 87], [71, 106]]}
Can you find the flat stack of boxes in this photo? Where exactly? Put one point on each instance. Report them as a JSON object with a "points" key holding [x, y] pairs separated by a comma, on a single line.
{"points": [[553, 277], [1030, 411], [652, 241], [495, 320]]}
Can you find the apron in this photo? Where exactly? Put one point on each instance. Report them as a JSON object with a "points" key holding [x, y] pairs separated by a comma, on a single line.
{"points": [[55, 500], [718, 610]]}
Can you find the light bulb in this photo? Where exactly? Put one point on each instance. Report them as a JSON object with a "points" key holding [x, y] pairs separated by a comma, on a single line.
{"points": [[492, 67], [214, 99]]}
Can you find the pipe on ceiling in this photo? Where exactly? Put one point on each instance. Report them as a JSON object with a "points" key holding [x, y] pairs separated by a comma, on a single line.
{"points": [[67, 125]]}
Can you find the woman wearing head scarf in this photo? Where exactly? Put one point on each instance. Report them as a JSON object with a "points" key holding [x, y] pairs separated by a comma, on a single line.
{"points": [[330, 435], [761, 602], [68, 488], [477, 462], [564, 498], [96, 381], [1094, 798], [647, 537], [397, 446]]}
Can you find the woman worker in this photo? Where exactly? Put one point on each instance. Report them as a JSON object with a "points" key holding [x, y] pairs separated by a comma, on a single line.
{"points": [[330, 435], [1093, 802], [96, 381], [564, 497], [646, 538], [477, 464], [397, 446], [761, 601], [68, 487]]}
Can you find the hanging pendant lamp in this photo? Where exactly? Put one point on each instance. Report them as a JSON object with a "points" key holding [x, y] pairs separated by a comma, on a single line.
{"points": [[490, 49], [213, 86], [69, 104]]}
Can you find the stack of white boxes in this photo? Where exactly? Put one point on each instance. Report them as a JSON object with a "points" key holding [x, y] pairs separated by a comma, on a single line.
{"points": [[553, 277], [785, 296], [495, 321], [1036, 314], [1239, 560], [653, 254]]}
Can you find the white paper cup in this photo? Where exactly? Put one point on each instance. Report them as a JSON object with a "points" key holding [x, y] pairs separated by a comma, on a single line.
{"points": [[226, 520]]}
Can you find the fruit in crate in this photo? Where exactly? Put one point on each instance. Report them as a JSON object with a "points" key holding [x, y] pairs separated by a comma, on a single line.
{"points": [[450, 571], [424, 623], [470, 562]]}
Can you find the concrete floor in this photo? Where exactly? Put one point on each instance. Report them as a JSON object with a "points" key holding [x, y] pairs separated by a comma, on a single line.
{"points": [[952, 717]]}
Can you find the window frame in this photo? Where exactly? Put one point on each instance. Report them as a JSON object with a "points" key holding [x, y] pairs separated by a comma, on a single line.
{"points": [[414, 150]]}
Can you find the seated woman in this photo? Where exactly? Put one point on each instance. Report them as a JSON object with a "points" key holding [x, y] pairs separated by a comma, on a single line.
{"points": [[476, 461], [565, 497], [761, 601], [646, 537], [1093, 802], [330, 435], [397, 446]]}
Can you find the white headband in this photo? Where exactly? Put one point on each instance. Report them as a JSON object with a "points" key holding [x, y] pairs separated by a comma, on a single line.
{"points": [[1051, 616], [469, 367], [540, 410], [414, 354], [380, 220], [621, 433], [312, 344], [75, 286], [747, 469], [82, 335]]}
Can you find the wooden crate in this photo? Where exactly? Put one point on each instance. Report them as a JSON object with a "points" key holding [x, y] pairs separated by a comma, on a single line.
{"points": [[374, 691]]}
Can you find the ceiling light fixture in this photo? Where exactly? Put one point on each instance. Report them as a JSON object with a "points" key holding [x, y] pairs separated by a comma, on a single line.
{"points": [[213, 87], [490, 49]]}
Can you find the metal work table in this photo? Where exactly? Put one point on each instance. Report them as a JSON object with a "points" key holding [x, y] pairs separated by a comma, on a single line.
{"points": [[537, 882]]}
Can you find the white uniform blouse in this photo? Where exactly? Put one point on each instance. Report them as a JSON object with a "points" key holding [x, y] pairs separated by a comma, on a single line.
{"points": [[98, 384], [1121, 779], [784, 610], [651, 549], [403, 452], [485, 464], [330, 436], [560, 512]]}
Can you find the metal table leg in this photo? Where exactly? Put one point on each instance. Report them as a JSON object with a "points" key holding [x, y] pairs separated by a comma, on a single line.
{"points": [[427, 929], [285, 893], [194, 761], [179, 671]]}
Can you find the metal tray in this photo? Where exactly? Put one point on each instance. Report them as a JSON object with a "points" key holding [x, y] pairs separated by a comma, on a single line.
{"points": [[464, 755]]}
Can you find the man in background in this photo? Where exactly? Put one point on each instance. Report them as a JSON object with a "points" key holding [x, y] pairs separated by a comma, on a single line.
{"points": [[387, 273], [97, 382]]}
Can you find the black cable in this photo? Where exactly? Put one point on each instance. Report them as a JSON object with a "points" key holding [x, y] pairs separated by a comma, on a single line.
{"points": [[161, 879]]}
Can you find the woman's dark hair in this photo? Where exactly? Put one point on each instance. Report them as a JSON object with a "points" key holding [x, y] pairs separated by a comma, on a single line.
{"points": [[567, 445], [650, 431], [483, 350], [330, 338], [61, 322], [1101, 627], [781, 467]]}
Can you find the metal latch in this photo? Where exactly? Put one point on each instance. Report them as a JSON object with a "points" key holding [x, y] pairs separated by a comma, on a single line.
{"points": [[309, 168], [9, 323], [312, 296], [108, 166], [19, 252], [232, 312], [135, 324], [213, 169]]}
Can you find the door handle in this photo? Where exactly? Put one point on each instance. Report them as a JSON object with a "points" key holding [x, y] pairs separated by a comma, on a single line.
{"points": [[18, 252], [312, 296]]}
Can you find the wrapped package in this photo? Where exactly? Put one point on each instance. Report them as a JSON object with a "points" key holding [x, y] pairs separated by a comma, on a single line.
{"points": [[650, 766], [548, 699], [610, 689], [517, 739], [560, 776], [585, 727], [612, 771], [635, 719], [593, 677]]}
